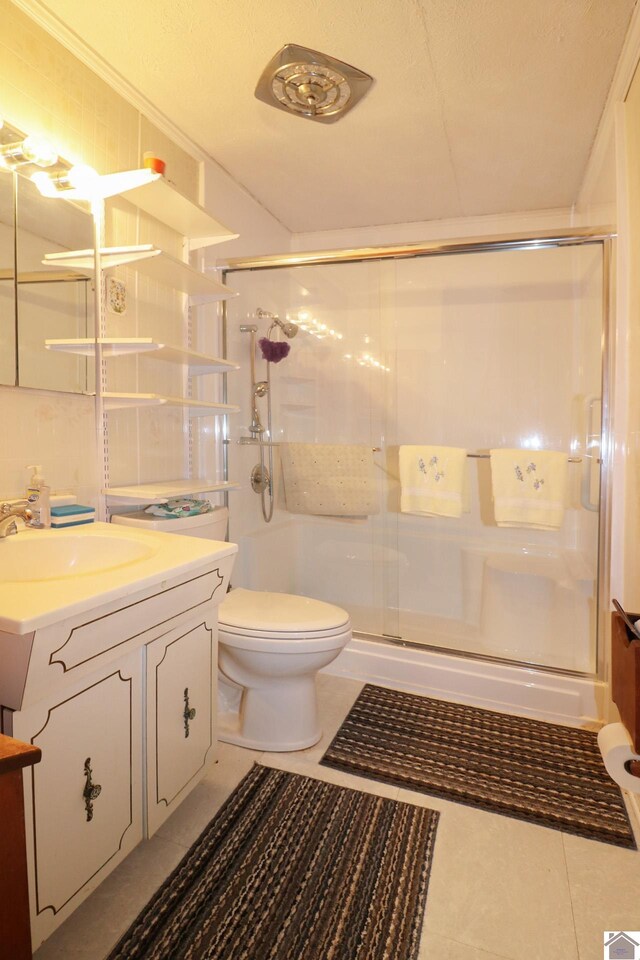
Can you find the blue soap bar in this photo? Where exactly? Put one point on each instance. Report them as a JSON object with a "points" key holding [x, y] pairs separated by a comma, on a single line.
{"points": [[71, 523], [70, 510], [71, 515]]}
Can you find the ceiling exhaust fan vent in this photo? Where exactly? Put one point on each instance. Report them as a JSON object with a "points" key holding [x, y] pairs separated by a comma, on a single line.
{"points": [[311, 84]]}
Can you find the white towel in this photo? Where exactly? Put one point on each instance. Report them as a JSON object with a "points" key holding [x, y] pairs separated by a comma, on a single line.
{"points": [[529, 488], [329, 479], [434, 481]]}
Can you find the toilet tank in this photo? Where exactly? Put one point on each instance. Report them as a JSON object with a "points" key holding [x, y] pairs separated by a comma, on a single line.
{"points": [[209, 526]]}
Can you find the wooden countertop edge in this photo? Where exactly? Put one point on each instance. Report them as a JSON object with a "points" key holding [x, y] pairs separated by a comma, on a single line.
{"points": [[14, 754]]}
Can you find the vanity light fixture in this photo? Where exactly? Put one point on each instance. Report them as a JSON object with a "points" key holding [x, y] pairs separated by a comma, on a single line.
{"points": [[32, 149], [82, 182], [50, 185], [79, 182], [67, 183]]}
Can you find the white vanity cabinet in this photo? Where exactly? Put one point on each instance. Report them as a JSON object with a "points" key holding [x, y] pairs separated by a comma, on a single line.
{"points": [[86, 813], [181, 710], [120, 697]]}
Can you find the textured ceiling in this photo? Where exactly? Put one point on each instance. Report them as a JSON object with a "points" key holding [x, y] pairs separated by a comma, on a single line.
{"points": [[478, 106]]}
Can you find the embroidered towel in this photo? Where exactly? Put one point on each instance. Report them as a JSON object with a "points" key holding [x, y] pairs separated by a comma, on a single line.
{"points": [[434, 481], [329, 479], [529, 488]]}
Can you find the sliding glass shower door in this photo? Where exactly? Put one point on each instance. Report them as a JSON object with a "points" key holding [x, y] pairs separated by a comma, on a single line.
{"points": [[482, 350], [501, 349]]}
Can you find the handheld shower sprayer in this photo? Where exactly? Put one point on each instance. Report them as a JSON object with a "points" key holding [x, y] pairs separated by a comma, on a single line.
{"points": [[260, 389]]}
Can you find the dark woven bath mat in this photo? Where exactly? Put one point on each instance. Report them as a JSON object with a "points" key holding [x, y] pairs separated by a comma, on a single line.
{"points": [[294, 869], [528, 769]]}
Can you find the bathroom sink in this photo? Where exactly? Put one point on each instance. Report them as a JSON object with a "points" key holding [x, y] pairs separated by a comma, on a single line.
{"points": [[47, 576], [64, 555]]}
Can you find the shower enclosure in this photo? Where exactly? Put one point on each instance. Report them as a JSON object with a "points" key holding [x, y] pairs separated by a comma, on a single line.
{"points": [[497, 343]]}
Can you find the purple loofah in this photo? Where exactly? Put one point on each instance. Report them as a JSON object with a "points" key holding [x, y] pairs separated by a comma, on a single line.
{"points": [[273, 350]]}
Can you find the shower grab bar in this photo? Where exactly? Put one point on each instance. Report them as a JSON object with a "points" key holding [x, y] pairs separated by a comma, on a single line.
{"points": [[592, 441]]}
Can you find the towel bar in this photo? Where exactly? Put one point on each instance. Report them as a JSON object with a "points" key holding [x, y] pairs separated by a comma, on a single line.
{"points": [[253, 441], [487, 456]]}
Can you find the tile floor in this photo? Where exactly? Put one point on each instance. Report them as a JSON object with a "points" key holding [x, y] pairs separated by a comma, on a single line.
{"points": [[500, 889]]}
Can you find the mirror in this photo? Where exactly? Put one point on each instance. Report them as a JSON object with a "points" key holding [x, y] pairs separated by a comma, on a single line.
{"points": [[39, 302], [54, 302], [8, 373]]}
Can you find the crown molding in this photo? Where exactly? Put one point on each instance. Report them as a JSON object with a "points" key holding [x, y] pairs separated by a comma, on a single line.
{"points": [[74, 43], [605, 134]]}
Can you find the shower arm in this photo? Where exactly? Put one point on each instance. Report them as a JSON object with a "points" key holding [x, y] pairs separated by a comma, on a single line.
{"points": [[288, 328]]}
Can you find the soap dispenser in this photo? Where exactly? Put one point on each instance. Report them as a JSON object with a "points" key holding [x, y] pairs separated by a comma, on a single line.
{"points": [[39, 497]]}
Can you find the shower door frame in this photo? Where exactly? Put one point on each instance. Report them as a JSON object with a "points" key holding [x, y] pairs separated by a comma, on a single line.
{"points": [[605, 236]]}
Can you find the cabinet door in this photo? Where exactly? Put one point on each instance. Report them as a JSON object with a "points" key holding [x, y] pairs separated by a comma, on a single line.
{"points": [[84, 799], [180, 716]]}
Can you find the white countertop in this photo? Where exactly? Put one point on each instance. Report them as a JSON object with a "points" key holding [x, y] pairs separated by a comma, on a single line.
{"points": [[30, 604]]}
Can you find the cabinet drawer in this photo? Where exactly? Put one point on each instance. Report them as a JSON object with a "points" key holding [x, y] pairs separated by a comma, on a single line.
{"points": [[108, 633], [76, 836], [180, 716]]}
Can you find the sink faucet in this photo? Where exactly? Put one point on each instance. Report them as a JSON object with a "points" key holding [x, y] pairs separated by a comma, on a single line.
{"points": [[9, 513]]}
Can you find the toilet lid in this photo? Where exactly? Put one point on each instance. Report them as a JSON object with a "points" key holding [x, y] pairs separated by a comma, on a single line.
{"points": [[278, 612]]}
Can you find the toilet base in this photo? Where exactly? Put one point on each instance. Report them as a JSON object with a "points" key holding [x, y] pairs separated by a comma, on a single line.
{"points": [[238, 740], [278, 717]]}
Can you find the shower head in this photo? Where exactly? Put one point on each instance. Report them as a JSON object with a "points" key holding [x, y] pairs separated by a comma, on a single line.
{"points": [[311, 84], [289, 329]]}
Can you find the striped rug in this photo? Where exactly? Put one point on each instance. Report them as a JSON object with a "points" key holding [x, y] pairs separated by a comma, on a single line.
{"points": [[532, 770], [294, 869]]}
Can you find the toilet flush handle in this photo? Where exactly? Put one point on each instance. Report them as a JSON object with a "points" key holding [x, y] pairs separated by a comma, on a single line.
{"points": [[189, 713]]}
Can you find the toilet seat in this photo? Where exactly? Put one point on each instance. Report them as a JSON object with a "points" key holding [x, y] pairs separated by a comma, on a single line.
{"points": [[281, 622], [285, 643], [263, 614]]}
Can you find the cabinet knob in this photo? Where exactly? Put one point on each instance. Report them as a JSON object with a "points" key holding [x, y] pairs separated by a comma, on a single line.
{"points": [[91, 790], [189, 713]]}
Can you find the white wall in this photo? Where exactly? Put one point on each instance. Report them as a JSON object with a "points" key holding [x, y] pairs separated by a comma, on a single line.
{"points": [[629, 340], [47, 90]]}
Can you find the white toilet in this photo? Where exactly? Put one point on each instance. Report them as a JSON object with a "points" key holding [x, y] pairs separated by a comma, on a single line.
{"points": [[270, 647]]}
